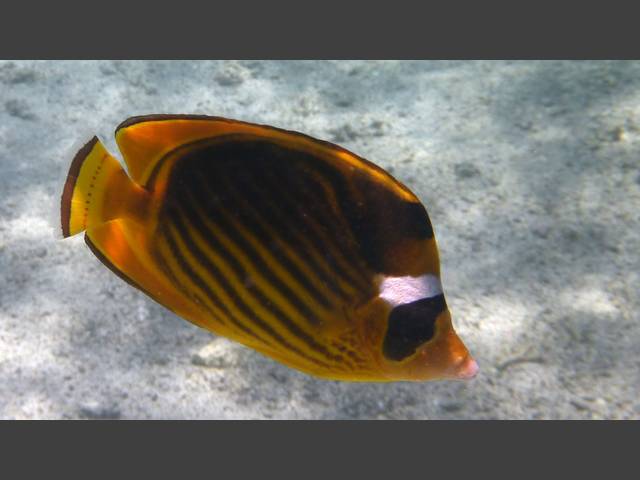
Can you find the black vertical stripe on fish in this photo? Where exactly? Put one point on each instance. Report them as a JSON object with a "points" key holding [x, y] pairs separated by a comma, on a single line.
{"points": [[235, 237], [333, 228], [359, 199], [188, 212], [296, 240], [318, 190], [256, 219], [198, 283], [204, 287], [248, 315], [325, 193], [270, 228], [263, 302], [214, 163], [208, 302], [261, 299], [410, 325], [165, 266], [293, 210], [237, 240], [289, 167], [349, 199]]}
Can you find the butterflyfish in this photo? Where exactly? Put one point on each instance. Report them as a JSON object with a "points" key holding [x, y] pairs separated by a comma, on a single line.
{"points": [[287, 244]]}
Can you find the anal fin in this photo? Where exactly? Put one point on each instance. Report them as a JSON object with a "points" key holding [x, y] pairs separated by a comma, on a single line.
{"points": [[120, 245]]}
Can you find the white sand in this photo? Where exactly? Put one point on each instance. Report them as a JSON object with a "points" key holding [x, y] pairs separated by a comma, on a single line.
{"points": [[530, 172]]}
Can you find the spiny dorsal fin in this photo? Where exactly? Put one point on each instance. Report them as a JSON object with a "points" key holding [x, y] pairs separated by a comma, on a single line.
{"points": [[145, 140]]}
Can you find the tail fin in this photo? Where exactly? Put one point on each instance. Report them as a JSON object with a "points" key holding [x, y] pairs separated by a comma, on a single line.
{"points": [[92, 174]]}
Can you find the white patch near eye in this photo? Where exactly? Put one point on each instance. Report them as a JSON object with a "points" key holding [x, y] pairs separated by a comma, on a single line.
{"points": [[400, 290]]}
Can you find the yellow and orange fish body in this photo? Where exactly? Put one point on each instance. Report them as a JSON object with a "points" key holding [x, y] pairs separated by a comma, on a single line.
{"points": [[287, 244]]}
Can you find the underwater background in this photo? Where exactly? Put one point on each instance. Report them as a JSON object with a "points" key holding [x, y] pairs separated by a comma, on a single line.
{"points": [[530, 172]]}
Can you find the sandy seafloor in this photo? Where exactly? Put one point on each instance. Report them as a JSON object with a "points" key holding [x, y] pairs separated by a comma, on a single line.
{"points": [[531, 175]]}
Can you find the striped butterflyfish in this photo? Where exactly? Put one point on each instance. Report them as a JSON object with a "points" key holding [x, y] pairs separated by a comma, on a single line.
{"points": [[287, 244]]}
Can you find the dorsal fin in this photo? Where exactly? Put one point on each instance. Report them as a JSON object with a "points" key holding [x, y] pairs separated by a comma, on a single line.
{"points": [[145, 140]]}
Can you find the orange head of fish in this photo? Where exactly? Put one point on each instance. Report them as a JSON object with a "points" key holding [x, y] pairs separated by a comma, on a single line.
{"points": [[409, 333], [444, 356]]}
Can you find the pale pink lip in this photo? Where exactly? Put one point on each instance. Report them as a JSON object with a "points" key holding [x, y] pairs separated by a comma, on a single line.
{"points": [[468, 369]]}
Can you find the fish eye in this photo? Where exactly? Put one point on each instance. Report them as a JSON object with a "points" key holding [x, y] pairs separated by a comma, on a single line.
{"points": [[410, 325]]}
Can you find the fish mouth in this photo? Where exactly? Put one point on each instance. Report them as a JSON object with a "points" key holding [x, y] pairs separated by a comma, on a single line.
{"points": [[467, 369]]}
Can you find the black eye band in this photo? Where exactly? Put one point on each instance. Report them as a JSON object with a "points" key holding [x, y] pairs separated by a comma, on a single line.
{"points": [[410, 325]]}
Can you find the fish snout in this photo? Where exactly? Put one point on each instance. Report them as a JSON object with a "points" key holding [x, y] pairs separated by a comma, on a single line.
{"points": [[467, 369]]}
